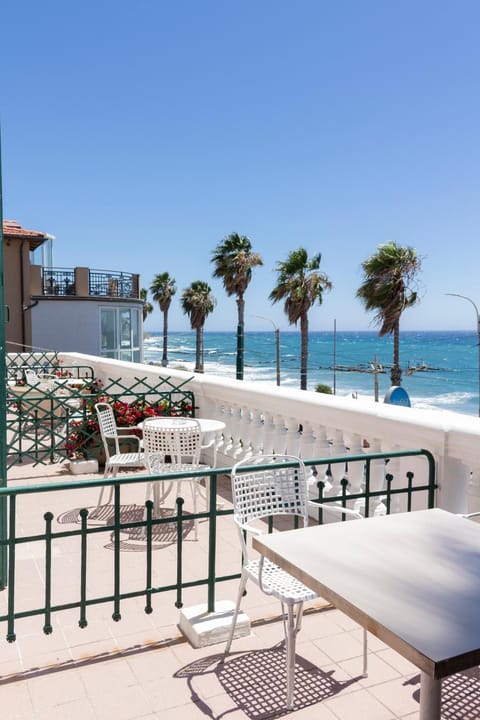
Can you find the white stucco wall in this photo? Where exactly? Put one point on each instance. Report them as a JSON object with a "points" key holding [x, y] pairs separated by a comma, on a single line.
{"points": [[70, 325], [61, 324]]}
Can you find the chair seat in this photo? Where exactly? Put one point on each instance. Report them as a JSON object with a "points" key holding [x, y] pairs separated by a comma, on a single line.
{"points": [[279, 583], [161, 467], [132, 459]]}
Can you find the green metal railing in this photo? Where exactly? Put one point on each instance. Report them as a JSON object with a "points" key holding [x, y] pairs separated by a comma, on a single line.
{"points": [[388, 492], [145, 528]]}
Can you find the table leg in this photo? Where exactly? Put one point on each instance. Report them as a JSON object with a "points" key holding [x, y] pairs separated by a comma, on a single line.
{"points": [[430, 697]]}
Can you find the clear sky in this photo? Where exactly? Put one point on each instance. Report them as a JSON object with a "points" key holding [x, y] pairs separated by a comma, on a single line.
{"points": [[142, 132]]}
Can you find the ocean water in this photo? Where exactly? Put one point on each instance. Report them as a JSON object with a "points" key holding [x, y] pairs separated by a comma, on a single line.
{"points": [[440, 369]]}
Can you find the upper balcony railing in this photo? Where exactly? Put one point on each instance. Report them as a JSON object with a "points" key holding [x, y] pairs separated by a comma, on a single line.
{"points": [[58, 281], [113, 284], [83, 282]]}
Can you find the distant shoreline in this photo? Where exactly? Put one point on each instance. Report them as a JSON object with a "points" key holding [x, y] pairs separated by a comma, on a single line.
{"points": [[289, 331]]}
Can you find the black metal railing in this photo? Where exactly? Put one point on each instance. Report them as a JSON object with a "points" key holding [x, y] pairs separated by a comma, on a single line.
{"points": [[113, 284], [116, 521], [58, 281], [106, 283]]}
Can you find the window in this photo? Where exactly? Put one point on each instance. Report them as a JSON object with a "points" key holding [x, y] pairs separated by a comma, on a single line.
{"points": [[43, 255], [120, 333]]}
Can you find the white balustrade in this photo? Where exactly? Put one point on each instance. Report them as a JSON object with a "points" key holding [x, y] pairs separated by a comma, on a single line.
{"points": [[267, 417]]}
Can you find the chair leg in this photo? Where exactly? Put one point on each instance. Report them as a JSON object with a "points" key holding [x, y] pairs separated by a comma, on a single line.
{"points": [[365, 651], [292, 628], [156, 498], [241, 590], [100, 497], [290, 652]]}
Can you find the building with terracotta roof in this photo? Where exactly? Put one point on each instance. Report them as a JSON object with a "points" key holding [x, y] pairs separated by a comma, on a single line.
{"points": [[71, 309]]}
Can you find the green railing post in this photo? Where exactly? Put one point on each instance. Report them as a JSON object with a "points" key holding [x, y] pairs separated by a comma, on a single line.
{"points": [[3, 403], [212, 541], [47, 628]]}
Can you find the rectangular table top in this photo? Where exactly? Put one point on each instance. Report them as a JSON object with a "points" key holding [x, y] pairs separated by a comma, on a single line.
{"points": [[412, 579]]}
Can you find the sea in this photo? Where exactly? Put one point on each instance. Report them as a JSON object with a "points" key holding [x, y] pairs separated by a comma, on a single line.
{"points": [[440, 369]]}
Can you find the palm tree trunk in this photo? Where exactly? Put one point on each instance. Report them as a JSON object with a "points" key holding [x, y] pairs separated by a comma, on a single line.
{"points": [[240, 336], [304, 351], [396, 371], [165, 338], [199, 350]]}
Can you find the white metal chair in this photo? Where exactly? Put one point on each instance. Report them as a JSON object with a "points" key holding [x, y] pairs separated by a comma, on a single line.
{"points": [[112, 435], [257, 495], [44, 382], [172, 448]]}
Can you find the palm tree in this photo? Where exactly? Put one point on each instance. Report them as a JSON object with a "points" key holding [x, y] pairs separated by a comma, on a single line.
{"points": [[163, 288], [233, 259], [389, 276], [197, 303], [147, 306], [300, 285]]}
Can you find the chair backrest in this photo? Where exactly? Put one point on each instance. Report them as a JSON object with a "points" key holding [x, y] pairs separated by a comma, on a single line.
{"points": [[34, 380], [275, 490], [108, 426], [31, 377], [180, 443]]}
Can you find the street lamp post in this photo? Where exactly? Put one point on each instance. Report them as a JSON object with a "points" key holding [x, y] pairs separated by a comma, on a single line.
{"points": [[277, 344], [464, 297]]}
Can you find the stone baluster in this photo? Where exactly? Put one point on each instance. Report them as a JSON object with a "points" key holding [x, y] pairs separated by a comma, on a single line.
{"points": [[338, 470], [356, 472], [377, 479], [213, 408], [236, 432], [231, 430], [222, 438], [238, 448], [293, 437], [322, 446], [258, 434], [269, 434], [393, 467], [246, 432], [280, 436], [307, 442]]}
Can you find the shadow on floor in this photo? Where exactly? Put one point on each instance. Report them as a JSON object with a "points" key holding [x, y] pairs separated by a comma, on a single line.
{"points": [[256, 682], [460, 695], [132, 539]]}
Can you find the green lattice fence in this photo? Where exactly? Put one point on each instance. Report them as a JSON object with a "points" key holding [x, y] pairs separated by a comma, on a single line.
{"points": [[43, 363], [52, 423]]}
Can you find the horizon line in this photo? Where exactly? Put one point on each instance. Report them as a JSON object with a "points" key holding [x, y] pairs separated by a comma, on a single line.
{"points": [[268, 332]]}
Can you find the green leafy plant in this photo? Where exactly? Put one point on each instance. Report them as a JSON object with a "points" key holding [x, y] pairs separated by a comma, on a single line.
{"points": [[84, 439], [320, 388]]}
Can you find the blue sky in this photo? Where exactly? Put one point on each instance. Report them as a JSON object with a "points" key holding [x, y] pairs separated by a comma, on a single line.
{"points": [[141, 132]]}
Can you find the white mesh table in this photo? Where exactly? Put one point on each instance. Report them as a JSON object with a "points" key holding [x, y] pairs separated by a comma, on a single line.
{"points": [[411, 579]]}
